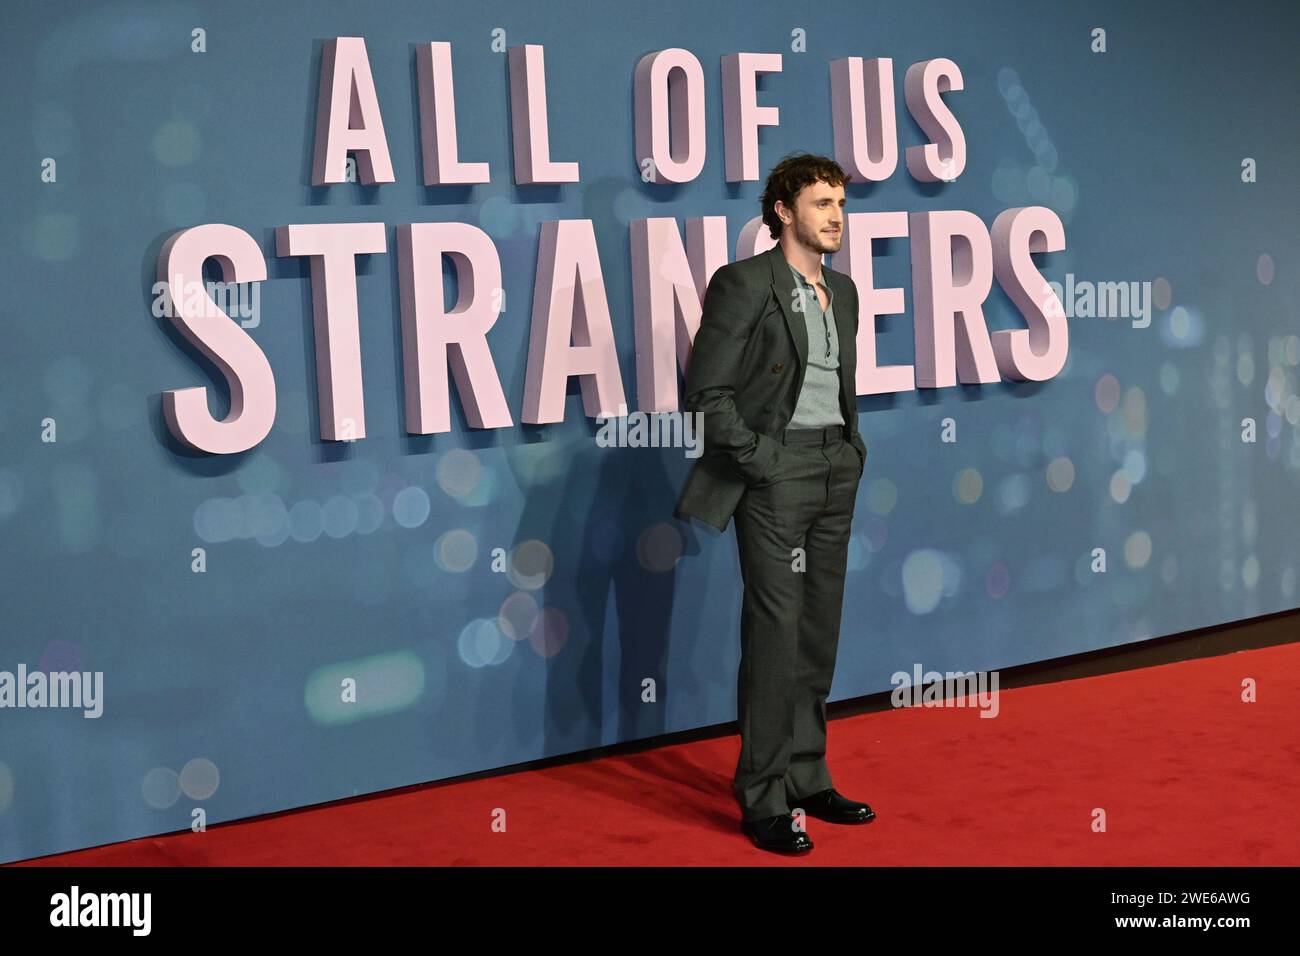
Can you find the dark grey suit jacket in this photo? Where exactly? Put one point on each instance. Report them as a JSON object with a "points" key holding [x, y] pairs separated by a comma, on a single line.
{"points": [[745, 373]]}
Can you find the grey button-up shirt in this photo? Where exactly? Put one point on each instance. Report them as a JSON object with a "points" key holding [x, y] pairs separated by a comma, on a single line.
{"points": [[819, 400]]}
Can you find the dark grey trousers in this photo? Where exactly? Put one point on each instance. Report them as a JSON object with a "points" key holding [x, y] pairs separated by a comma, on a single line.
{"points": [[790, 618]]}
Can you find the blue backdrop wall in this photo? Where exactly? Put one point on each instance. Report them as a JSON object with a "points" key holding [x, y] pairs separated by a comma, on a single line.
{"points": [[373, 560]]}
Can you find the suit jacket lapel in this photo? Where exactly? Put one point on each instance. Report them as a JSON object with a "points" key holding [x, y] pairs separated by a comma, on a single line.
{"points": [[844, 328], [783, 287]]}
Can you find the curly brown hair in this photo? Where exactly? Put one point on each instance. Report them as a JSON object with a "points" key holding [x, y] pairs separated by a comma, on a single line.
{"points": [[792, 174]]}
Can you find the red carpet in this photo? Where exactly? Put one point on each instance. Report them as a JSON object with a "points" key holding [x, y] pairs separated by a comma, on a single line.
{"points": [[1186, 772]]}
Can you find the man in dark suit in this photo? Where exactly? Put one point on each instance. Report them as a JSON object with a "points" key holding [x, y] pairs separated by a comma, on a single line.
{"points": [[773, 370]]}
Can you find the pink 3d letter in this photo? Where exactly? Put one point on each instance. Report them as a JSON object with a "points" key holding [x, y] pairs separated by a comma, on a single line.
{"points": [[347, 117], [528, 123], [217, 336], [668, 283], [741, 114], [438, 121], [856, 258], [1037, 353], [952, 272], [432, 339], [570, 285], [670, 133], [332, 249], [944, 157], [755, 237], [862, 113]]}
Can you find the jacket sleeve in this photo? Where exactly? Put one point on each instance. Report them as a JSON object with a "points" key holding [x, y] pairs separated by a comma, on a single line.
{"points": [[731, 309]]}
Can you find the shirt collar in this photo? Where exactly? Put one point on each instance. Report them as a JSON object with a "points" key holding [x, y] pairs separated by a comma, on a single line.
{"points": [[799, 276]]}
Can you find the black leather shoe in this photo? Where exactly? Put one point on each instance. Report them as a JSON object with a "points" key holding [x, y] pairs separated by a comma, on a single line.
{"points": [[777, 834], [830, 806]]}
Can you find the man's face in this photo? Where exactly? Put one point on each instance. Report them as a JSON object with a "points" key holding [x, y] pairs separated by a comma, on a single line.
{"points": [[819, 217]]}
